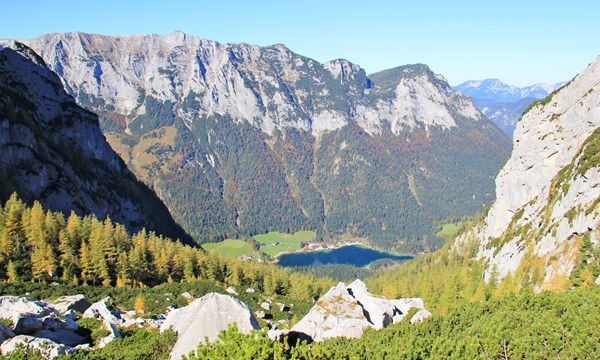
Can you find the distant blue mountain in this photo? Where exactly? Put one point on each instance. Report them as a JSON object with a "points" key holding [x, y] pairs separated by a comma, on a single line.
{"points": [[503, 103]]}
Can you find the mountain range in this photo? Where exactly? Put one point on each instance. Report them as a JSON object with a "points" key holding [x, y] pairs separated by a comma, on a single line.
{"points": [[54, 152], [239, 139], [502, 103]]}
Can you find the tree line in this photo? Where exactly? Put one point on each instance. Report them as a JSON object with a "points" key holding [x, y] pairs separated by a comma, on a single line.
{"points": [[45, 247]]}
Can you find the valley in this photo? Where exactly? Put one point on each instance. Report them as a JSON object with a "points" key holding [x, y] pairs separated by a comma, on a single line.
{"points": [[170, 196], [240, 140]]}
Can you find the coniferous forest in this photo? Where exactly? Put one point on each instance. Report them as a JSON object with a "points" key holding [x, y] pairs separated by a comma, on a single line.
{"points": [[471, 319]]}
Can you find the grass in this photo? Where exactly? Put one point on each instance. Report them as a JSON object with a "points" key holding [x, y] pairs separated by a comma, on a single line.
{"points": [[286, 242], [451, 230], [229, 247]]}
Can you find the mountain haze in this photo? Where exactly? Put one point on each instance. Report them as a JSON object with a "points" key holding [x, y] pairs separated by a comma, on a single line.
{"points": [[53, 151], [240, 139], [503, 103]]}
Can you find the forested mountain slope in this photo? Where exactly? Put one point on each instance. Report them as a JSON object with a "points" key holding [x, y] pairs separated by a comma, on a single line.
{"points": [[53, 151], [240, 139]]}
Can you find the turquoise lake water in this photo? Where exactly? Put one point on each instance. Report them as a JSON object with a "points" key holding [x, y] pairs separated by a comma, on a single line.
{"points": [[358, 256]]}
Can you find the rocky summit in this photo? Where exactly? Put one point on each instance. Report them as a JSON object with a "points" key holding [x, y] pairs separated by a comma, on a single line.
{"points": [[240, 139], [544, 222], [54, 152]]}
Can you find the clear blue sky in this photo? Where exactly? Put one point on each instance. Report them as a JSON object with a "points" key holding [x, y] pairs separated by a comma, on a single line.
{"points": [[520, 42]]}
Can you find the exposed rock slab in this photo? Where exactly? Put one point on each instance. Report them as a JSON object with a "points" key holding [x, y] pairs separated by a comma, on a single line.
{"points": [[47, 348], [346, 311], [206, 317], [72, 302]]}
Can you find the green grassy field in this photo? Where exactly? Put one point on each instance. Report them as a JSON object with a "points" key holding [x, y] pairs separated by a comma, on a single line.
{"points": [[450, 230], [286, 242], [229, 247]]}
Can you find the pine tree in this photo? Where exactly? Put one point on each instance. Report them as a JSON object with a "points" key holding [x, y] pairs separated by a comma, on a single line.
{"points": [[12, 273]]}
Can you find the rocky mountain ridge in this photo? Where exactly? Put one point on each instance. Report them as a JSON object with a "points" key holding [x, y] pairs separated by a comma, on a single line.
{"points": [[54, 152], [266, 139], [544, 221], [503, 103]]}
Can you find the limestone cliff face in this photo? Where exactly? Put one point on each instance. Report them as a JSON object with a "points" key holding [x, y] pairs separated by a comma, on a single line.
{"points": [[53, 151], [240, 139], [547, 193]]}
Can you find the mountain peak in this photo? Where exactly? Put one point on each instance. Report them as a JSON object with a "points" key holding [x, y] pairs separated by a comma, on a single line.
{"points": [[269, 136]]}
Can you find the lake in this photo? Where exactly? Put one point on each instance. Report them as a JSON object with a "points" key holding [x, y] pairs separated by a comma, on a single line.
{"points": [[351, 255]]}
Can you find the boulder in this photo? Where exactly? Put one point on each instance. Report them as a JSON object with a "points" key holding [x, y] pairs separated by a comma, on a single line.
{"points": [[231, 290], [25, 314], [206, 317], [5, 333], [250, 290], [47, 348], [26, 323], [405, 304], [336, 314], [346, 311], [99, 310], [265, 305], [56, 322], [420, 316], [187, 295], [65, 337], [379, 310], [73, 302]]}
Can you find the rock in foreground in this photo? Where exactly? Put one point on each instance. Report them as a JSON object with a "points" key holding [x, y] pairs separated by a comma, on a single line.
{"points": [[206, 317], [346, 311]]}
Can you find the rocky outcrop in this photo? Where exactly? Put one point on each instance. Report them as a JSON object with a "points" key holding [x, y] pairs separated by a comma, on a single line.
{"points": [[46, 348], [204, 319], [99, 310], [547, 193], [42, 323], [40, 326], [262, 131], [53, 151], [74, 302], [346, 311]]}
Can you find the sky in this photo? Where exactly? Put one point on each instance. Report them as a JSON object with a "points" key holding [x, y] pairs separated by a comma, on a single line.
{"points": [[519, 42]]}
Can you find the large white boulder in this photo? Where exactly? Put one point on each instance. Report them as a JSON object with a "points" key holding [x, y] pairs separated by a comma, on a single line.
{"points": [[47, 348], [206, 317], [336, 314], [346, 311]]}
